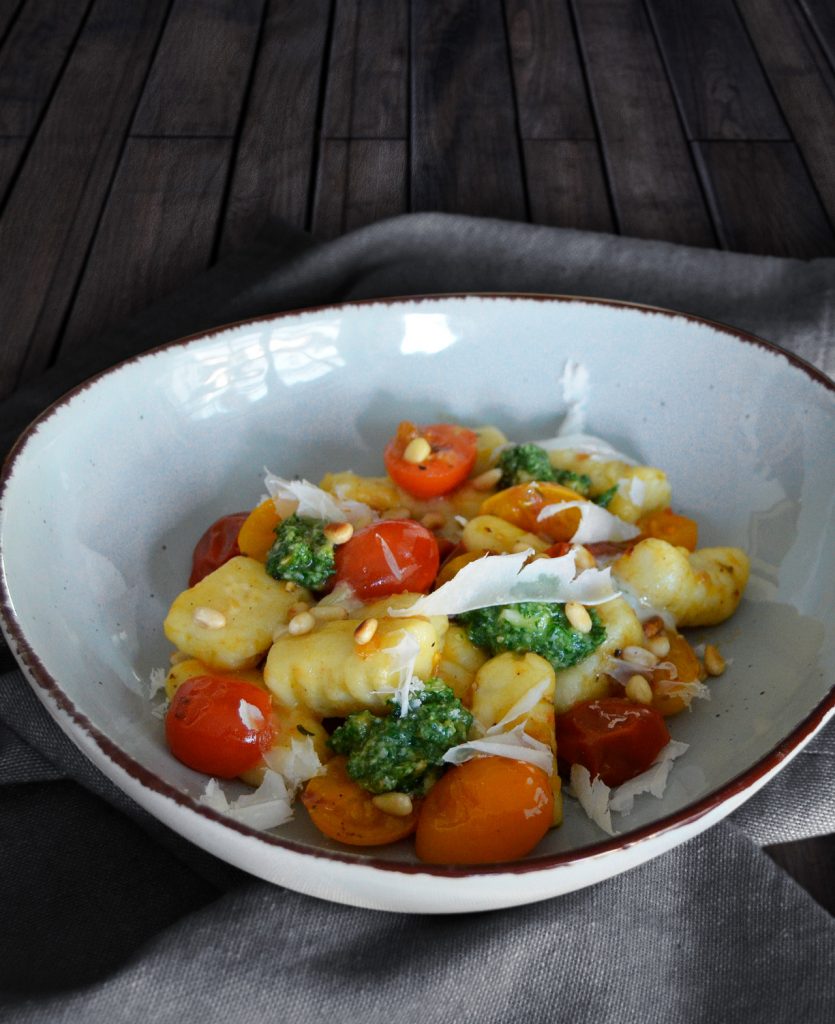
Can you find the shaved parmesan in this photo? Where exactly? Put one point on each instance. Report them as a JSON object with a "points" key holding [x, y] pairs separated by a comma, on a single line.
{"points": [[642, 607], [595, 447], [250, 715], [596, 524], [526, 703], [296, 763], [404, 655], [396, 570], [593, 797], [313, 501], [506, 579], [653, 780], [634, 488], [344, 596], [516, 745], [575, 393], [156, 678], [687, 690], [267, 807]]}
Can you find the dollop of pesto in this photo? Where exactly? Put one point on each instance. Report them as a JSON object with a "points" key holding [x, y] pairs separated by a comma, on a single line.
{"points": [[302, 552], [522, 463]]}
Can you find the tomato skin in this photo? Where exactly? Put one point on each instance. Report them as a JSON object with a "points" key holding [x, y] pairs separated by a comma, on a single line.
{"points": [[613, 737], [205, 731], [453, 455], [343, 810], [362, 561], [669, 526], [217, 545], [487, 810], [522, 503], [257, 533]]}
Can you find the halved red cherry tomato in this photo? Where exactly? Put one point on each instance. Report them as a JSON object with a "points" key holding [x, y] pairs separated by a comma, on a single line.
{"points": [[484, 811], [393, 556], [613, 737], [219, 725], [452, 456], [217, 545]]}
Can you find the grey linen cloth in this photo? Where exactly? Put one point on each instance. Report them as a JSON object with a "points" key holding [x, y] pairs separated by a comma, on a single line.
{"points": [[108, 916]]}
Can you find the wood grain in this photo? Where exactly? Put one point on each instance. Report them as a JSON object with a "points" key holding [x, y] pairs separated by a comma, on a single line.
{"points": [[720, 86], [199, 77], [275, 161], [653, 183], [360, 181], [465, 154], [566, 185]]}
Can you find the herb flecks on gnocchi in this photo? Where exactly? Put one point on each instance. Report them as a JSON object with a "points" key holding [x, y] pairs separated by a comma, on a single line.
{"points": [[406, 650]]}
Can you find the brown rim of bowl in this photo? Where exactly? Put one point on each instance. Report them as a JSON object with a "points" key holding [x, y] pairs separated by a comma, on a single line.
{"points": [[58, 703]]}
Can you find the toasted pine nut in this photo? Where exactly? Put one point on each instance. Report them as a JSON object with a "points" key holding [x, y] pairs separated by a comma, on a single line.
{"points": [[714, 662], [583, 558], [178, 656], [432, 520], [399, 805], [487, 480], [577, 614], [399, 512], [518, 546], [298, 607], [291, 586], [209, 618], [659, 645], [653, 626], [365, 631], [329, 612], [639, 656], [639, 690], [301, 623], [338, 533], [417, 450]]}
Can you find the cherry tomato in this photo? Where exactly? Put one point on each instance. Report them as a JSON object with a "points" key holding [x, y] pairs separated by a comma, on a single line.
{"points": [[394, 556], [522, 503], [217, 545], [257, 533], [209, 729], [613, 737], [486, 810], [452, 456], [688, 668], [671, 527], [344, 811]]}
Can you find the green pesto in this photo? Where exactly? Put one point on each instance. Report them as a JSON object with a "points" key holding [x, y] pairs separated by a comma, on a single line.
{"points": [[522, 463], [301, 552], [533, 626], [390, 753], [603, 499]]}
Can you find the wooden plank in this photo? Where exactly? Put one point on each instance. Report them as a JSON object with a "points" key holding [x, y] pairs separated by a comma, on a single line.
{"points": [[803, 82], [360, 181], [465, 156], [45, 230], [719, 83], [821, 15], [764, 200], [547, 71], [199, 76], [32, 59], [368, 74], [274, 164], [157, 230], [653, 183], [566, 185]]}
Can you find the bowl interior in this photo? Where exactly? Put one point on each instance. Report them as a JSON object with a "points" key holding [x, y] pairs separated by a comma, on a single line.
{"points": [[107, 496]]}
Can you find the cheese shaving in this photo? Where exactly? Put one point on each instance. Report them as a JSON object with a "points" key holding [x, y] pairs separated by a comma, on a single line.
{"points": [[634, 488], [596, 523], [575, 393], [653, 780], [250, 715], [507, 579], [404, 654], [593, 797], [588, 444], [296, 763], [526, 703], [314, 502], [642, 607], [268, 807], [515, 744], [156, 679]]}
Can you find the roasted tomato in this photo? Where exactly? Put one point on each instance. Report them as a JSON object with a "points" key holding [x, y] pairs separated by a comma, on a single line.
{"points": [[217, 545], [394, 556], [430, 460]]}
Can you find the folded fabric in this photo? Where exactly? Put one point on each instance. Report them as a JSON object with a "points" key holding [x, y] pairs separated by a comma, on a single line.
{"points": [[109, 916]]}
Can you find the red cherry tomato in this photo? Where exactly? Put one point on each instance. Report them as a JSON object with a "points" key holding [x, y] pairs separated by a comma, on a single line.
{"points": [[613, 737], [394, 556], [219, 725], [448, 464], [217, 545]]}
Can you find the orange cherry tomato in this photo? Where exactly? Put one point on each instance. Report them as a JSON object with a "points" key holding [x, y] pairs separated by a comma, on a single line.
{"points": [[217, 545], [344, 811], [452, 456], [613, 737], [257, 533], [486, 810], [521, 505], [394, 556], [688, 668], [209, 729], [671, 527]]}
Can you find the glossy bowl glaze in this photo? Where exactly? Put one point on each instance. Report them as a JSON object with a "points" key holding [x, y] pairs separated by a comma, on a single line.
{"points": [[118, 479]]}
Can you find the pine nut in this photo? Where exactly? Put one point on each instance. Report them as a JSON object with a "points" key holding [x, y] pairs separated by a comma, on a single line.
{"points": [[338, 533], [487, 480], [578, 615], [639, 656], [639, 690], [291, 586], [365, 631], [518, 546], [209, 618], [433, 520], [417, 450], [714, 662], [300, 624], [329, 612], [399, 805], [653, 626], [659, 645], [583, 558]]}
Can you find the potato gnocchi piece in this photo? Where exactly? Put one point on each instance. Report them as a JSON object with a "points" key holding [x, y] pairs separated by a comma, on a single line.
{"points": [[460, 660], [702, 588], [246, 607], [587, 680], [490, 439], [653, 482], [491, 533], [193, 667], [329, 673], [382, 494], [502, 682]]}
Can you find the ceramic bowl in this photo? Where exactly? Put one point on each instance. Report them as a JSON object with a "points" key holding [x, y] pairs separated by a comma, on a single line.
{"points": [[118, 479]]}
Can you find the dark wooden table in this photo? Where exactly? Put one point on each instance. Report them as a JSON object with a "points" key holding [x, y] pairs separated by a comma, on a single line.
{"points": [[142, 139]]}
